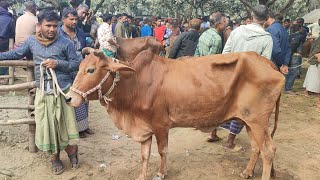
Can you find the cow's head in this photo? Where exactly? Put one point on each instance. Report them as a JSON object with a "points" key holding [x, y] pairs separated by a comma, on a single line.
{"points": [[95, 77]]}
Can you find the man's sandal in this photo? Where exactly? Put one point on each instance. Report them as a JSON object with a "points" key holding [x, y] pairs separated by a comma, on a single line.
{"points": [[74, 159], [57, 167]]}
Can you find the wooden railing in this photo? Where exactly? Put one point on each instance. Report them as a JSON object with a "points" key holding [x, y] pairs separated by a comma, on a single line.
{"points": [[30, 86]]}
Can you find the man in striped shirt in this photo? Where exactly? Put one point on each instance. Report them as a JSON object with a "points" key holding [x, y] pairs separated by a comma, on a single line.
{"points": [[210, 42]]}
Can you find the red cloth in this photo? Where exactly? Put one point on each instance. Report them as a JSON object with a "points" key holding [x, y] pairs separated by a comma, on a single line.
{"points": [[159, 32]]}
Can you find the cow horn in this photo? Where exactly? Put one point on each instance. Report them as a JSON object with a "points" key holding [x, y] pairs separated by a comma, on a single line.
{"points": [[87, 50], [100, 54]]}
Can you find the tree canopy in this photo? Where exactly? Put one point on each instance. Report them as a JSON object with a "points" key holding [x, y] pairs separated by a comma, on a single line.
{"points": [[184, 8]]}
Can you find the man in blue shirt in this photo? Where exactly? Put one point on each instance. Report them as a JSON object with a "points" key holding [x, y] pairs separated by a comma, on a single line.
{"points": [[146, 29], [281, 49], [6, 32], [76, 35], [56, 128]]}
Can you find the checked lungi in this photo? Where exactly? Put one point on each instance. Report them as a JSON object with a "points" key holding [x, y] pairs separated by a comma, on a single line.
{"points": [[233, 126]]}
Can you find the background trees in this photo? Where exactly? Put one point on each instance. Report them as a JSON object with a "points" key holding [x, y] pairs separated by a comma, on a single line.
{"points": [[183, 8]]}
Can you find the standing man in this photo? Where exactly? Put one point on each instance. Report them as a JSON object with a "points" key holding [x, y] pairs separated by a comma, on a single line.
{"points": [[210, 42], [56, 128], [106, 39], [146, 28], [70, 31], [120, 30], [186, 42], [250, 37], [6, 32], [296, 39], [286, 25], [305, 32], [83, 18], [281, 50], [175, 28], [159, 31], [26, 24]]}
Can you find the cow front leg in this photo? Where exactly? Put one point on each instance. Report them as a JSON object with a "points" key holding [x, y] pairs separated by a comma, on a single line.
{"points": [[162, 142], [145, 155]]}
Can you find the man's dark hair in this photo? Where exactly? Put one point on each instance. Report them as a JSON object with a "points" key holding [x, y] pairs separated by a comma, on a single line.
{"points": [[83, 6], [279, 18], [300, 19], [287, 21], [124, 14], [216, 18], [230, 23], [245, 18], [48, 15], [272, 15], [106, 17], [30, 6], [204, 18], [260, 12], [5, 5], [69, 10]]}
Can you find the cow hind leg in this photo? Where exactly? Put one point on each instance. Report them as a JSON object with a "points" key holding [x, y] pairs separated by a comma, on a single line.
{"points": [[268, 153], [249, 171], [162, 142], [264, 142], [145, 155]]}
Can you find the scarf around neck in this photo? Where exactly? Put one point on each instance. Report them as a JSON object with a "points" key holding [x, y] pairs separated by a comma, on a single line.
{"points": [[44, 41]]}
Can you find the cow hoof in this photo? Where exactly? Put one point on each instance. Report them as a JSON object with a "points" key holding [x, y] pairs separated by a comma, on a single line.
{"points": [[158, 177], [246, 175]]}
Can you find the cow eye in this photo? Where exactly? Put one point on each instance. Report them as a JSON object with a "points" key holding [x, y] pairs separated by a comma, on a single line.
{"points": [[90, 70]]}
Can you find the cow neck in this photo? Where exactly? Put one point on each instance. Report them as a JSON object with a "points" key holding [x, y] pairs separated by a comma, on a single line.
{"points": [[99, 87]]}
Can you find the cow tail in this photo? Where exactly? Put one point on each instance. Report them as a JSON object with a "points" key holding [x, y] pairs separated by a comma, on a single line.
{"points": [[276, 117]]}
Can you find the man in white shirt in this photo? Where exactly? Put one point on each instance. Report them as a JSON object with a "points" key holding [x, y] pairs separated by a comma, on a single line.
{"points": [[315, 29], [106, 39]]}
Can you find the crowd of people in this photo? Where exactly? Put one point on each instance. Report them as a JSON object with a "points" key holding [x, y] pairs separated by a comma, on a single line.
{"points": [[56, 41]]}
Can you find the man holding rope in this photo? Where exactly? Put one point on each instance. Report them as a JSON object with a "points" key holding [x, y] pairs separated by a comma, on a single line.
{"points": [[56, 128]]}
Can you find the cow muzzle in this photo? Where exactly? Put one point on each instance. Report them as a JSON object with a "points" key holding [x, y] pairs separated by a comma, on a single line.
{"points": [[73, 99]]}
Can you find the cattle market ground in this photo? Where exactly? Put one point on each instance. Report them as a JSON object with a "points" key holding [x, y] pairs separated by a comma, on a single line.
{"points": [[190, 156]]}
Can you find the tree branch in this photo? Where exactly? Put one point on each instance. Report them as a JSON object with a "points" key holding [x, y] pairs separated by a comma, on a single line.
{"points": [[289, 3], [270, 2], [246, 3], [98, 6]]}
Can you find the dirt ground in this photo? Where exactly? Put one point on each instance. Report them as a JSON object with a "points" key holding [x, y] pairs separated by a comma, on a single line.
{"points": [[190, 156]]}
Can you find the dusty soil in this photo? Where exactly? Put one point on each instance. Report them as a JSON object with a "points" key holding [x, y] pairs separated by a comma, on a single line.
{"points": [[190, 156]]}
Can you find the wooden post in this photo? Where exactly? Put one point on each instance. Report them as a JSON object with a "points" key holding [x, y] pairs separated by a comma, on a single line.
{"points": [[32, 132], [11, 69], [31, 97], [11, 75]]}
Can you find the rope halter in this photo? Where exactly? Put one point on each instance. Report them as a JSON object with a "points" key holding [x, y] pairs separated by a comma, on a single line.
{"points": [[99, 87]]}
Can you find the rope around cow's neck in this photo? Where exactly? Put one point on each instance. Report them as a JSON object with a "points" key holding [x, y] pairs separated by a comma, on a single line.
{"points": [[55, 85], [301, 63]]}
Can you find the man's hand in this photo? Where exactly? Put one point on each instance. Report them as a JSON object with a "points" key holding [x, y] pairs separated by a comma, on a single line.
{"points": [[317, 56], [284, 69], [49, 63]]}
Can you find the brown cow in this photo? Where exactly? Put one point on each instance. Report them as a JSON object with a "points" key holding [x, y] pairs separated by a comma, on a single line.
{"points": [[130, 48], [197, 92]]}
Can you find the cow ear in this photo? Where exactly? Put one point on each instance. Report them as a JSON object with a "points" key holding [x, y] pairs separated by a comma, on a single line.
{"points": [[119, 67], [87, 50]]}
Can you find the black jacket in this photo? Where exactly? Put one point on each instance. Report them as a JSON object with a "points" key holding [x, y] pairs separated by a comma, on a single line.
{"points": [[185, 44]]}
